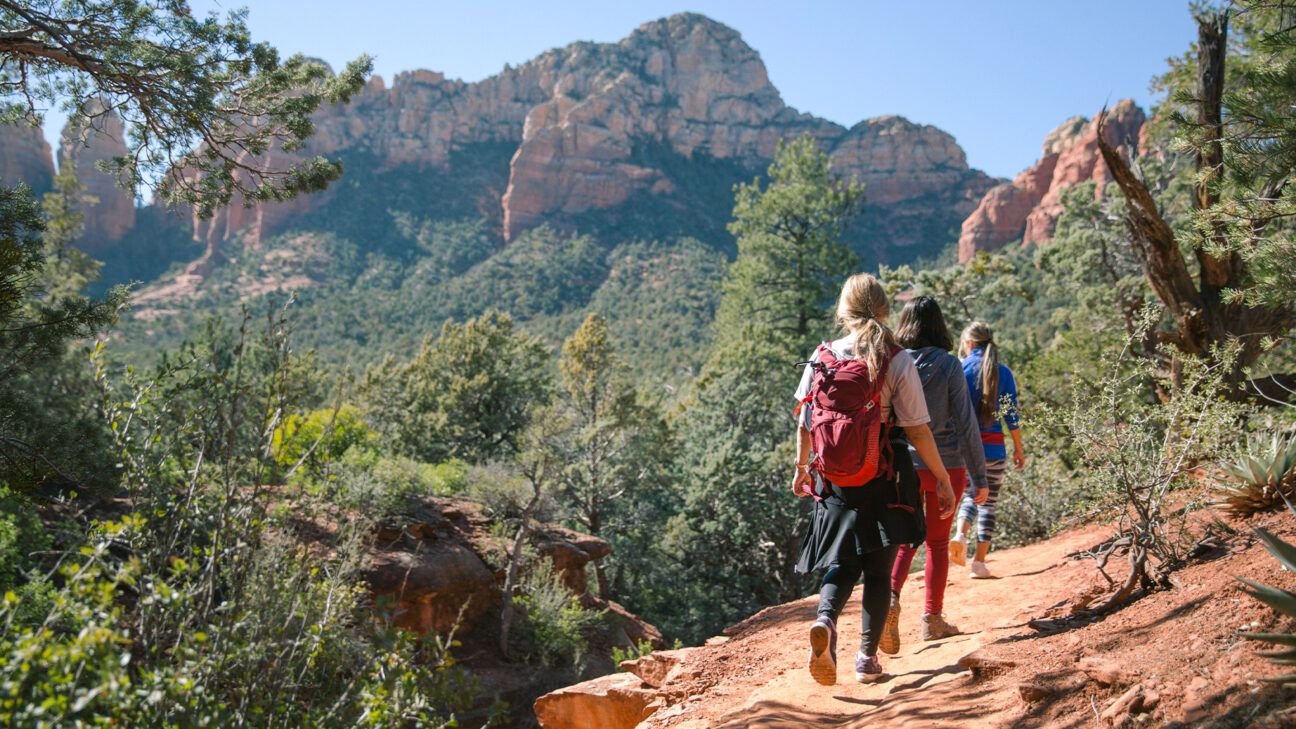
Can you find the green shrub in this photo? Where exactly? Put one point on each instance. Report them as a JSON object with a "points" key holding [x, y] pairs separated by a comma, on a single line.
{"points": [[383, 484], [553, 627], [21, 536], [319, 438], [1261, 478]]}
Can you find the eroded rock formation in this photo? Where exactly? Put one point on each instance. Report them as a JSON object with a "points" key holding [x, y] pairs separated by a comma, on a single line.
{"points": [[584, 119], [25, 157], [110, 212], [431, 567], [1028, 208]]}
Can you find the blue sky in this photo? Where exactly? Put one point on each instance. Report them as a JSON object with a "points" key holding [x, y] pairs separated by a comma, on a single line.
{"points": [[997, 74]]}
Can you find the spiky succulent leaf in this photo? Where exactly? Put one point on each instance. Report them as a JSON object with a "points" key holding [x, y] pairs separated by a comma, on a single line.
{"points": [[1286, 553], [1278, 599]]}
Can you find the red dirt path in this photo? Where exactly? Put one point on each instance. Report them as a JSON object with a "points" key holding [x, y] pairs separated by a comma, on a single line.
{"points": [[1178, 644]]}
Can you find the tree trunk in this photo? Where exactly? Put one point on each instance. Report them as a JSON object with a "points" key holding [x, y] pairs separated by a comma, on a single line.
{"points": [[514, 564], [1203, 319]]}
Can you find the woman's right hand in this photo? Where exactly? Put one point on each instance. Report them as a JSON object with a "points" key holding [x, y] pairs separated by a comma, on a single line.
{"points": [[802, 483]]}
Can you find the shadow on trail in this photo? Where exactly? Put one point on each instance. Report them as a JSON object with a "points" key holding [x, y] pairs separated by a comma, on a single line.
{"points": [[771, 714], [775, 714], [923, 677]]}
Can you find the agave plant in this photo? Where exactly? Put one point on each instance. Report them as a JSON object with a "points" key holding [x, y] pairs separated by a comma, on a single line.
{"points": [[1279, 599], [1259, 481]]}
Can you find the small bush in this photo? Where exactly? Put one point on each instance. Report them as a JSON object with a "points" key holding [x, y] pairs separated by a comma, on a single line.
{"points": [[383, 484], [320, 438], [1037, 502], [553, 628], [21, 536], [504, 493]]}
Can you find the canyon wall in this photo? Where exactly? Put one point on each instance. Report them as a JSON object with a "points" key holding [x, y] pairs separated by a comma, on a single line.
{"points": [[1027, 209]]}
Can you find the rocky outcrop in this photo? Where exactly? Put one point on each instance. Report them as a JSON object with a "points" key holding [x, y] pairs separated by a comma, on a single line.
{"points": [[25, 157], [110, 211], [615, 701], [581, 118], [1028, 208], [430, 568]]}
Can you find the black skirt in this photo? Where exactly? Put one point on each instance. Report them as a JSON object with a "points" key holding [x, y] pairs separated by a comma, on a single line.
{"points": [[857, 520]]}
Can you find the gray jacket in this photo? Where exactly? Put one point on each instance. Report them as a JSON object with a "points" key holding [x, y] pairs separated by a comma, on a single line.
{"points": [[953, 420]]}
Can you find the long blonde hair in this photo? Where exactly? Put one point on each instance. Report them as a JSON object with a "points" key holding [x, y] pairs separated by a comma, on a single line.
{"points": [[979, 335], [862, 310]]}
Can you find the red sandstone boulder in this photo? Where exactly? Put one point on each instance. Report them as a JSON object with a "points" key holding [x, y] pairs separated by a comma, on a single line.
{"points": [[618, 701], [431, 582]]}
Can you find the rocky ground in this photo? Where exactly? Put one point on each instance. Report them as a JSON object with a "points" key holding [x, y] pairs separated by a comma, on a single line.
{"points": [[1172, 658]]}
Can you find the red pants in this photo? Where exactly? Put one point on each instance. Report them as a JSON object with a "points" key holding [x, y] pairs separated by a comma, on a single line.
{"points": [[938, 538]]}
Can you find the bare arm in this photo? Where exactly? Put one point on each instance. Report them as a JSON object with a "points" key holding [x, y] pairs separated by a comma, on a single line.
{"points": [[1019, 453], [801, 481]]}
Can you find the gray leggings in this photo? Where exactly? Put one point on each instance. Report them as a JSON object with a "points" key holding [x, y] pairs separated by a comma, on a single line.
{"points": [[984, 514]]}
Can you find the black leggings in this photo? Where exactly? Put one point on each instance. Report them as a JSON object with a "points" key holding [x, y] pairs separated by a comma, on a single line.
{"points": [[841, 579]]}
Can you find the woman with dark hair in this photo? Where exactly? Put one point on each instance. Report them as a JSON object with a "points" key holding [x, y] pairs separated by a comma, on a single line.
{"points": [[922, 331]]}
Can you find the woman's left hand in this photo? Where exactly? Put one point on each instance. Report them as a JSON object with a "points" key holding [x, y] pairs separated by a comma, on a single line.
{"points": [[982, 495], [945, 497]]}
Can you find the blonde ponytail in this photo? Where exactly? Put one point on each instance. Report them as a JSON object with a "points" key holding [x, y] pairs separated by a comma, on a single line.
{"points": [[862, 310], [980, 336]]}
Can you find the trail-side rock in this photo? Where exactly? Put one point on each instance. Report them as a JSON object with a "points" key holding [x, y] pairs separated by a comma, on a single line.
{"points": [[655, 669], [1106, 671], [1118, 712], [25, 157], [1029, 207], [570, 552], [111, 213], [432, 583], [617, 701], [982, 664]]}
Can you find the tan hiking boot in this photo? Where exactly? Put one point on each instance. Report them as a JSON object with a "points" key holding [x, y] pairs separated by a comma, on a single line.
{"points": [[934, 627], [958, 551], [890, 641]]}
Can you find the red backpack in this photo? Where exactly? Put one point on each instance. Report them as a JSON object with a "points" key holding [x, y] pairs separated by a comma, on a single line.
{"points": [[848, 438]]}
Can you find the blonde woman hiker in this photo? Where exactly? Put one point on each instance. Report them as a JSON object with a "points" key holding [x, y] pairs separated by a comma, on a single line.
{"points": [[994, 392], [922, 331], [857, 468]]}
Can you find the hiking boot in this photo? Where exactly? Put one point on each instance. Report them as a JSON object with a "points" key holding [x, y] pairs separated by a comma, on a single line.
{"points": [[958, 550], [823, 651], [980, 571], [934, 627], [867, 668], [890, 641]]}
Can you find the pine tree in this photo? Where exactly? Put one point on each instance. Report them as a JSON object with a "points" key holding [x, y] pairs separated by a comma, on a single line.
{"points": [[200, 100], [613, 443], [467, 394], [740, 527], [1233, 113]]}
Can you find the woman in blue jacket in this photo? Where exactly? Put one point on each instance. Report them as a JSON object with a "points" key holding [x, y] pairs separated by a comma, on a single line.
{"points": [[994, 392]]}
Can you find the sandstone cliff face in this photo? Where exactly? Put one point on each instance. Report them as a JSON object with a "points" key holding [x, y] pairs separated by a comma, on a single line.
{"points": [[112, 212], [1029, 206], [25, 157], [580, 116]]}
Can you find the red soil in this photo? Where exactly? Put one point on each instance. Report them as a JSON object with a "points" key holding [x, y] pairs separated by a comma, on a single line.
{"points": [[1178, 645]]}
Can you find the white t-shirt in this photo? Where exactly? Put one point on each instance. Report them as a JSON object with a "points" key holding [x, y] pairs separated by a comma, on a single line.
{"points": [[901, 390]]}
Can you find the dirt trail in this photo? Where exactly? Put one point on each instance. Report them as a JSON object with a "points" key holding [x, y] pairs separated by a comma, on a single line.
{"points": [[1178, 645]]}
